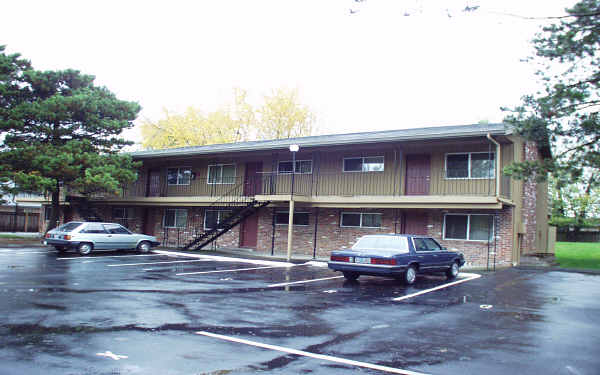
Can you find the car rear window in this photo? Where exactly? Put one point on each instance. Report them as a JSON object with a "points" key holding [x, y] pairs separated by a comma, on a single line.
{"points": [[384, 243], [69, 227]]}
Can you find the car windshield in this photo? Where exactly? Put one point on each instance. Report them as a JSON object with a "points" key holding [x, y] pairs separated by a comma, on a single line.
{"points": [[385, 244], [68, 227]]}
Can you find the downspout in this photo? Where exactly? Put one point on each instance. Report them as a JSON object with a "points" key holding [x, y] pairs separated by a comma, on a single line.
{"points": [[498, 160]]}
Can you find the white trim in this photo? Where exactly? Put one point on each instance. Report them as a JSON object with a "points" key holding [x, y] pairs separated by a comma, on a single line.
{"points": [[221, 165], [362, 163], [493, 234], [295, 212], [468, 166], [291, 161], [361, 219], [178, 168]]}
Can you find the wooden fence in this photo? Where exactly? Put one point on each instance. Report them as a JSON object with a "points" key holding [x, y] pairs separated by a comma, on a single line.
{"points": [[19, 222]]}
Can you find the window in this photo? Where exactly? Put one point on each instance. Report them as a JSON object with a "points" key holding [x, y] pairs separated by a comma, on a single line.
{"points": [[212, 218], [123, 213], [48, 213], [364, 164], [221, 174], [470, 165], [469, 227], [116, 229], [175, 218], [362, 220], [283, 218], [302, 167], [426, 244], [385, 243], [96, 228], [179, 176]]}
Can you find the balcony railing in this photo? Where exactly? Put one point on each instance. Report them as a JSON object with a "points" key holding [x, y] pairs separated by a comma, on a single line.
{"points": [[338, 184]]}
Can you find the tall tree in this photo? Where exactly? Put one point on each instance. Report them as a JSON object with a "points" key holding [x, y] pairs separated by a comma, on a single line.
{"points": [[61, 131], [565, 115], [280, 116]]}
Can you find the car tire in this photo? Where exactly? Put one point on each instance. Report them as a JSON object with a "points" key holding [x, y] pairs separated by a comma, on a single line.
{"points": [[85, 248], [410, 275], [452, 272], [144, 247], [351, 276], [60, 249]]}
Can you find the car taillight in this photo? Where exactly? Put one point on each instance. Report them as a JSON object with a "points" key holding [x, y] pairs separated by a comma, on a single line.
{"points": [[67, 236], [48, 235], [336, 258], [388, 262]]}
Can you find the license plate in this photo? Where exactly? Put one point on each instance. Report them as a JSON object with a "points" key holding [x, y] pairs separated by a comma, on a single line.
{"points": [[362, 260]]}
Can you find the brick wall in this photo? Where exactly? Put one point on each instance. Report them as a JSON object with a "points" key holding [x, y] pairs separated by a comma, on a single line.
{"points": [[528, 211]]}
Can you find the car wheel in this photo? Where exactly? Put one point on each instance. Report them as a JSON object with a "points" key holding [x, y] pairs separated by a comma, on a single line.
{"points": [[410, 275], [85, 248], [452, 272], [60, 249], [351, 275], [143, 247]]}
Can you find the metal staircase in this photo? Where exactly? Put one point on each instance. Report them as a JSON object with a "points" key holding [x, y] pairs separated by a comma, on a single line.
{"points": [[239, 207]]}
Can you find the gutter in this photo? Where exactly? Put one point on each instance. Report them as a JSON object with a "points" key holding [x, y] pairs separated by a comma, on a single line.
{"points": [[498, 165]]}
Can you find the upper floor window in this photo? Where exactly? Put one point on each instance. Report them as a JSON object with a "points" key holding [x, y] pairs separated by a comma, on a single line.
{"points": [[470, 165], [468, 227], [179, 176], [175, 218], [364, 164], [221, 174], [361, 220], [302, 167]]}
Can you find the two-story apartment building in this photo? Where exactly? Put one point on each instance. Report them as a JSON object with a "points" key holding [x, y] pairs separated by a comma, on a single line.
{"points": [[445, 182]]}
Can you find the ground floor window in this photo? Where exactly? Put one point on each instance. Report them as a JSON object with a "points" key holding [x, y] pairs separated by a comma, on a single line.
{"points": [[120, 213], [469, 227], [48, 213], [212, 218], [361, 220], [175, 218], [283, 218]]}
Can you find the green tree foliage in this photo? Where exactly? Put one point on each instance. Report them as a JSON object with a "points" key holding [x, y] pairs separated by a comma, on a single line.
{"points": [[574, 203], [61, 131], [280, 116], [564, 116]]}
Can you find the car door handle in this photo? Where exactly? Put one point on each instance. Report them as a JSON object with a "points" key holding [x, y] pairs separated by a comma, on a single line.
{"points": [[110, 235]]}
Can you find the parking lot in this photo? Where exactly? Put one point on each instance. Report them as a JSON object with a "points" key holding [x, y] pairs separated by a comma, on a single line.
{"points": [[177, 313]]}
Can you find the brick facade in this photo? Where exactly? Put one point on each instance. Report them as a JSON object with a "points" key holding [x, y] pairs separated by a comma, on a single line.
{"points": [[528, 211]]}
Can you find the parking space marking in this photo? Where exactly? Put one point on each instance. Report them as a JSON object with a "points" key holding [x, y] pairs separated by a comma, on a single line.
{"points": [[144, 264], [112, 256], [311, 355], [226, 259], [469, 277], [231, 270], [303, 281]]}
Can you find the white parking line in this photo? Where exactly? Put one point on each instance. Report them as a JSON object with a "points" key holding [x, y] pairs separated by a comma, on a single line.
{"points": [[468, 277], [303, 281], [226, 259], [232, 270], [143, 264], [311, 355], [111, 256]]}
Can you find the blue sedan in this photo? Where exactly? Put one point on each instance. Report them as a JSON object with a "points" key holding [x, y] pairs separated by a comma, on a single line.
{"points": [[401, 256]]}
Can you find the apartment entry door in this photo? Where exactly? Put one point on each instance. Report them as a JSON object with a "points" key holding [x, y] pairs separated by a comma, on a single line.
{"points": [[418, 174], [153, 189], [414, 222], [253, 179], [249, 231]]}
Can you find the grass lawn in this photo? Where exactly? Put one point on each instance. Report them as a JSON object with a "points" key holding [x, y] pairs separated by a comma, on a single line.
{"points": [[17, 237], [578, 254]]}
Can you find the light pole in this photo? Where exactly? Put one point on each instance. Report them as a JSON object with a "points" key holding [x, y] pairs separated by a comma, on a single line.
{"points": [[293, 150]]}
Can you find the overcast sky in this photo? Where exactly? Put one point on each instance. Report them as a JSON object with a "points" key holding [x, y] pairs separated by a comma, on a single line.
{"points": [[372, 68]]}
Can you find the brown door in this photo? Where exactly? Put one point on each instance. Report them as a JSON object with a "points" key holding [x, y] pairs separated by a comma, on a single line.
{"points": [[415, 223], [249, 232], [153, 184], [148, 222], [418, 174], [253, 179]]}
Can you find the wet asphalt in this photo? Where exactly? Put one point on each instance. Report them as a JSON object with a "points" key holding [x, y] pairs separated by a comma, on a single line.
{"points": [[109, 314]]}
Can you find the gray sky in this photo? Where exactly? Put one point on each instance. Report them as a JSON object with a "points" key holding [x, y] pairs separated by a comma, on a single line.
{"points": [[370, 70]]}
